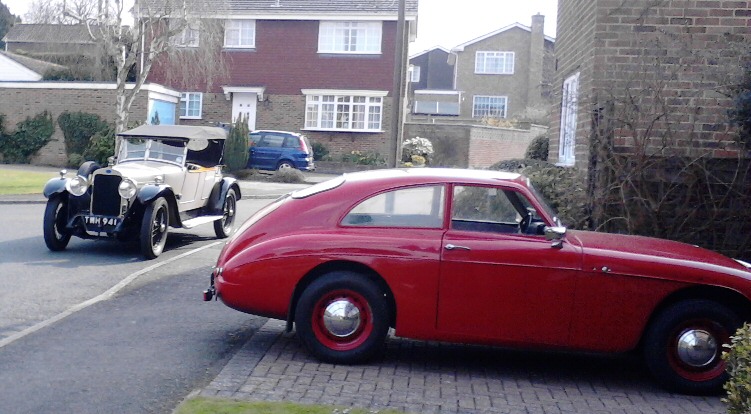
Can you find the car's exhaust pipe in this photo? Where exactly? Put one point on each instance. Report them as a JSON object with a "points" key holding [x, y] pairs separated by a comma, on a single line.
{"points": [[209, 294]]}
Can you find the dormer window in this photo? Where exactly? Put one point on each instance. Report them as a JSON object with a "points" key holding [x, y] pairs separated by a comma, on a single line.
{"points": [[240, 34], [349, 37]]}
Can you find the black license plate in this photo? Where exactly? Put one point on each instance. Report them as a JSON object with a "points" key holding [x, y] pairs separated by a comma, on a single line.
{"points": [[99, 223]]}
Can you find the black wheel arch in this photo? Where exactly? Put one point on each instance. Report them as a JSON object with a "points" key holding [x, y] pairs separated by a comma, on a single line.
{"points": [[729, 298], [219, 192], [87, 168], [149, 193], [333, 266]]}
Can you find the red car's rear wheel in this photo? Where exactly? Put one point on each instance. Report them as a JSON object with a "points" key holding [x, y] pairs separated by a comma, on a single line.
{"points": [[683, 346], [343, 318]]}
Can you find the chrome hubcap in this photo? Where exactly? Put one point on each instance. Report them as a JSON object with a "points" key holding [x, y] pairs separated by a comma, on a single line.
{"points": [[697, 348], [341, 318]]}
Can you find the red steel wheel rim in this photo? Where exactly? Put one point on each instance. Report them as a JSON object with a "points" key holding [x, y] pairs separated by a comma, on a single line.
{"points": [[713, 368], [351, 340]]}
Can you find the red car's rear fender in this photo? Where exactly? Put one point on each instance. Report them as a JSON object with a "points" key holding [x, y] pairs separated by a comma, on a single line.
{"points": [[333, 266]]}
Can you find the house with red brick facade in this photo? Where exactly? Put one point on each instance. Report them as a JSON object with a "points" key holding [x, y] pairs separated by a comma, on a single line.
{"points": [[645, 93], [676, 58], [322, 68]]}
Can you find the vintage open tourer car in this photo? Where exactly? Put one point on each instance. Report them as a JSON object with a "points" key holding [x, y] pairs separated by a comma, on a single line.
{"points": [[473, 256], [163, 176]]}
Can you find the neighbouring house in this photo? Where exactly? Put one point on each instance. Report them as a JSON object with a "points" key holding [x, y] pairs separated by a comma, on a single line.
{"points": [[323, 68], [506, 73], [69, 45], [431, 83], [15, 67], [37, 40], [645, 93]]}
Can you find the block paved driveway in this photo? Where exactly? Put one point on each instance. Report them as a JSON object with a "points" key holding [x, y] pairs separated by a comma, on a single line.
{"points": [[420, 377]]}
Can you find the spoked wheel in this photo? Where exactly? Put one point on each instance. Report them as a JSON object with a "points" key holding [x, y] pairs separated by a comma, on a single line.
{"points": [[683, 346], [56, 237], [223, 227], [154, 228], [343, 318]]}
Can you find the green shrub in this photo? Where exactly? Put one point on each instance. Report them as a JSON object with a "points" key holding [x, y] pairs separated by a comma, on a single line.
{"points": [[30, 136], [74, 160], [538, 148], [101, 146], [564, 188], [738, 359], [236, 147], [288, 175], [78, 128], [320, 151], [364, 158]]}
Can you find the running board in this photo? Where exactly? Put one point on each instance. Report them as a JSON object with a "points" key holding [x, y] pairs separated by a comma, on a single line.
{"points": [[189, 224]]}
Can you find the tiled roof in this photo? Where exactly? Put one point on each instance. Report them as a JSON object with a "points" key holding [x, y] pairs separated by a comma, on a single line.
{"points": [[38, 66], [48, 33], [298, 7]]}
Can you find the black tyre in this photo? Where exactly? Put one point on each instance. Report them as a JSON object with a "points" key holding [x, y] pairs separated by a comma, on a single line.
{"points": [[284, 165], [56, 237], [683, 346], [224, 226], [154, 228], [343, 318]]}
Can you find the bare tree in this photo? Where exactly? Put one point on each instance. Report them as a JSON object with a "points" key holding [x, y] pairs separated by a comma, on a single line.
{"points": [[60, 11], [150, 39]]}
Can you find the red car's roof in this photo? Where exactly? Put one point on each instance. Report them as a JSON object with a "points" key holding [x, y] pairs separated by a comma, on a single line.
{"points": [[432, 175]]}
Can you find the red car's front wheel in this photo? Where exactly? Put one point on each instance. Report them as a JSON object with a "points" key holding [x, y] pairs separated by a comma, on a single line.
{"points": [[343, 318], [684, 343]]}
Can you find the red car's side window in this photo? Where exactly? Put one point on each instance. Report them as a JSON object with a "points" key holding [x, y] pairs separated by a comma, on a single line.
{"points": [[421, 207]]}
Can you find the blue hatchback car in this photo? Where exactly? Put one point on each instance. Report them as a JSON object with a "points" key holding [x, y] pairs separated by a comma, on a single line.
{"points": [[278, 150]]}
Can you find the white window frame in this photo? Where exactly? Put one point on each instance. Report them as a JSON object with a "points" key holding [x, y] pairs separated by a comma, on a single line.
{"points": [[414, 73], [245, 30], [350, 37], [494, 62], [569, 108], [342, 110], [186, 98], [489, 99], [190, 36]]}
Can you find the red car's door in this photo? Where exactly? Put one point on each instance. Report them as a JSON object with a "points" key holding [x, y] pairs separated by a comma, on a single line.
{"points": [[499, 284]]}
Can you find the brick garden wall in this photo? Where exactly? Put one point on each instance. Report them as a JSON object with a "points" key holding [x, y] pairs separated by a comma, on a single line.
{"points": [[21, 101], [473, 146]]}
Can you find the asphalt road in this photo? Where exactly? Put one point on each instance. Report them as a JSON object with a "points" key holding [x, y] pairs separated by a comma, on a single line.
{"points": [[138, 349]]}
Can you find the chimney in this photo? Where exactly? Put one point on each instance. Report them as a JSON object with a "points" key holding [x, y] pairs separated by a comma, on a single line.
{"points": [[536, 53]]}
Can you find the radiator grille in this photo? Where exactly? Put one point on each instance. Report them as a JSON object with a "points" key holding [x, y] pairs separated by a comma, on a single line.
{"points": [[105, 200]]}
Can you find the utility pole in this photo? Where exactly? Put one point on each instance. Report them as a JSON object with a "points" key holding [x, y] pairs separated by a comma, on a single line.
{"points": [[397, 124]]}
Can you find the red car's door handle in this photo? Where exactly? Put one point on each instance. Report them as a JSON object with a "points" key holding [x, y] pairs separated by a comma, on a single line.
{"points": [[453, 247]]}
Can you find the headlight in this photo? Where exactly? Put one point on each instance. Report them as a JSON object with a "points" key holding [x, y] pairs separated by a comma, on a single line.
{"points": [[127, 188], [77, 185]]}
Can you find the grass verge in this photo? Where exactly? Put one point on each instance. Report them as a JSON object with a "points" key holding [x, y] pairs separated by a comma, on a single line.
{"points": [[23, 182], [202, 405]]}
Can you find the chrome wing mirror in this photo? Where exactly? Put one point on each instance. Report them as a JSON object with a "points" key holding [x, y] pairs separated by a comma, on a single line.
{"points": [[556, 235]]}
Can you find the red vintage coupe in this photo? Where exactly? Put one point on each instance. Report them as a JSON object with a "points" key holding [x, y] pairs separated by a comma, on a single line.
{"points": [[477, 257]]}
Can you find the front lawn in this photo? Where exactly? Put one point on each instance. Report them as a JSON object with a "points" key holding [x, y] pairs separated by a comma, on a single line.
{"points": [[22, 181]]}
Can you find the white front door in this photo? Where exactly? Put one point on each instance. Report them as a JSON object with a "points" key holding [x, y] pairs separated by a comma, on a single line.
{"points": [[244, 103]]}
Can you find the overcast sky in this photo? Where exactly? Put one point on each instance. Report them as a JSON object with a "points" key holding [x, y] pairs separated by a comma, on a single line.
{"points": [[448, 23]]}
